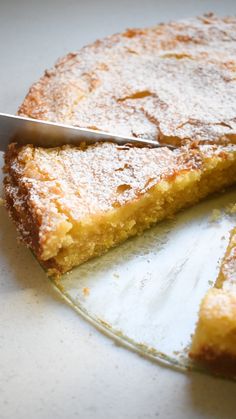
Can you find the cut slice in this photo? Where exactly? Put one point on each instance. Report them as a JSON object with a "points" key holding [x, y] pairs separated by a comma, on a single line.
{"points": [[214, 341], [71, 204]]}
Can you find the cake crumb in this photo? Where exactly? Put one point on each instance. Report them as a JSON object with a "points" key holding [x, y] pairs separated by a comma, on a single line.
{"points": [[231, 209], [116, 275], [86, 291], [215, 215]]}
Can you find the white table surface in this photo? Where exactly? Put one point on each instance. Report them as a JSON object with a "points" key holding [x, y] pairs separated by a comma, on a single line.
{"points": [[52, 362]]}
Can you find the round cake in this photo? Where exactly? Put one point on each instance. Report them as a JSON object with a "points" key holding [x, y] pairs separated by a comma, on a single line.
{"points": [[173, 82]]}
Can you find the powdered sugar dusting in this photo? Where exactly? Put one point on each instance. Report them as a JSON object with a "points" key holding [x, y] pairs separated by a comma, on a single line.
{"points": [[187, 68]]}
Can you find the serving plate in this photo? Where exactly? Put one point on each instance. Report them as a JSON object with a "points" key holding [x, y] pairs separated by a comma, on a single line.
{"points": [[146, 292]]}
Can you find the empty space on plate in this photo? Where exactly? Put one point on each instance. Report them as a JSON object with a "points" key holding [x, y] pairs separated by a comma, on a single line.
{"points": [[147, 291]]}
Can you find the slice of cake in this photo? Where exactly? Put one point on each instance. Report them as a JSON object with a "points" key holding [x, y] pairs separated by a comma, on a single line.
{"points": [[70, 204], [214, 341]]}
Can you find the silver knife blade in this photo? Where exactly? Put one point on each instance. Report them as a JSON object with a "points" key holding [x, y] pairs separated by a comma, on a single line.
{"points": [[24, 130]]}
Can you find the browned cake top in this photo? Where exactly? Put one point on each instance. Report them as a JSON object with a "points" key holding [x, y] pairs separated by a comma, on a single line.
{"points": [[173, 80], [84, 182]]}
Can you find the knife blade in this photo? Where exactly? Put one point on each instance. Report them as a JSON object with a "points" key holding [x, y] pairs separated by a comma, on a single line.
{"points": [[25, 130]]}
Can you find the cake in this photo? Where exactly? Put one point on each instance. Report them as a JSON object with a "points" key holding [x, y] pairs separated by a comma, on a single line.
{"points": [[173, 83], [214, 341]]}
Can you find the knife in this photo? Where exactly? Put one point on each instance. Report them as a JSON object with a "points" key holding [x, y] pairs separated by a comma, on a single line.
{"points": [[24, 130]]}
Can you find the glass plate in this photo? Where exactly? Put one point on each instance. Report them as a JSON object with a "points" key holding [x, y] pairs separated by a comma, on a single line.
{"points": [[146, 292]]}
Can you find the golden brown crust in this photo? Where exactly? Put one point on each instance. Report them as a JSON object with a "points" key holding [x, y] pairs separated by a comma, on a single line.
{"points": [[173, 82], [17, 194]]}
